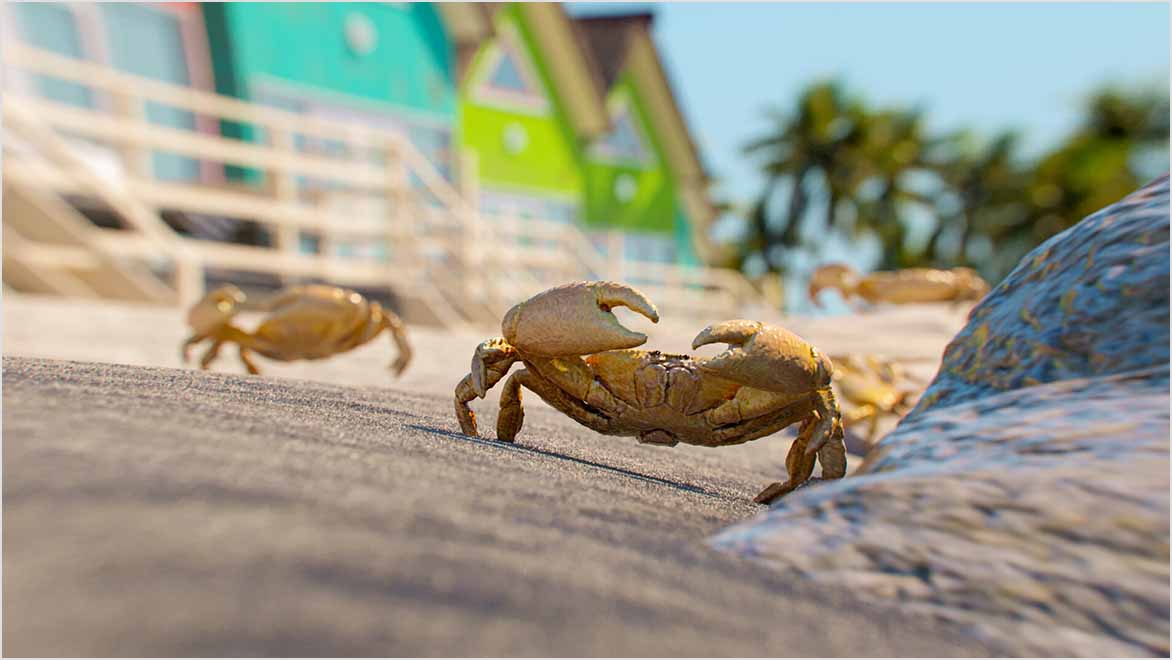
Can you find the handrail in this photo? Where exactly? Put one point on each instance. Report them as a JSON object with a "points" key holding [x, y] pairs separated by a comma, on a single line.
{"points": [[432, 226]]}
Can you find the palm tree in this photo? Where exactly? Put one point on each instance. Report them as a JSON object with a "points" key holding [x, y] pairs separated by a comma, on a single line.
{"points": [[896, 145], [981, 187], [832, 149], [1093, 168], [814, 146]]}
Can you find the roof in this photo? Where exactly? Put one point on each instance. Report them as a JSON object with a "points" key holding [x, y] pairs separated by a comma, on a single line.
{"points": [[614, 41], [609, 40], [573, 69], [623, 42]]}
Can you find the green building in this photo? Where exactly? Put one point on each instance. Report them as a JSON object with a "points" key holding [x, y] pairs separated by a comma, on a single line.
{"points": [[644, 175], [575, 120], [530, 103]]}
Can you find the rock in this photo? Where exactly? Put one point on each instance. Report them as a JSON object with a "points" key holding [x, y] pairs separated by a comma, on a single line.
{"points": [[1090, 301], [1027, 494]]}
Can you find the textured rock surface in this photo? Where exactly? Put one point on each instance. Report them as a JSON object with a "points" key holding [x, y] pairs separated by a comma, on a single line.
{"points": [[1027, 494], [1091, 301]]}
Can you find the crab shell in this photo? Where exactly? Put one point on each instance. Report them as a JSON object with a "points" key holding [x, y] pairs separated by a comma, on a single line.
{"points": [[576, 319]]}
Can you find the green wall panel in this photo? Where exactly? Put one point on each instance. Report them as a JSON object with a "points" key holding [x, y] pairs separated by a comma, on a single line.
{"points": [[551, 160], [652, 209]]}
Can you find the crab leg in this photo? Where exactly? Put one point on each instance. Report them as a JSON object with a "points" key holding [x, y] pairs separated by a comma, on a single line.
{"points": [[761, 426], [248, 363], [211, 354], [512, 415], [799, 465], [563, 402], [185, 349], [865, 412], [399, 336], [490, 363]]}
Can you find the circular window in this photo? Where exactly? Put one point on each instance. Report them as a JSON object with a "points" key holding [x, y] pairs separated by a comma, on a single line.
{"points": [[361, 35], [625, 188], [516, 138]]}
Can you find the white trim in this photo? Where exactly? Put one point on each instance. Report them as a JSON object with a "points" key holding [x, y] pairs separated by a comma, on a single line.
{"points": [[508, 43], [528, 191], [618, 104], [263, 82]]}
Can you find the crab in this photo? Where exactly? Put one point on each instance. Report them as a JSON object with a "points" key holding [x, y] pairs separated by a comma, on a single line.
{"points": [[580, 360], [307, 322], [910, 285], [873, 388]]}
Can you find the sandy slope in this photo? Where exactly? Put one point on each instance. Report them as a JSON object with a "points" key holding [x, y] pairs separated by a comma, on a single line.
{"points": [[168, 512]]}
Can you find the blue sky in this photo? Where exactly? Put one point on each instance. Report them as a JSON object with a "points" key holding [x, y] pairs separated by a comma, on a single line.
{"points": [[987, 66], [984, 66]]}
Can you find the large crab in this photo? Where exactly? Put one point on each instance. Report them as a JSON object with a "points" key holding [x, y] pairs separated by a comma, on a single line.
{"points": [[910, 285], [307, 322], [579, 359], [872, 388]]}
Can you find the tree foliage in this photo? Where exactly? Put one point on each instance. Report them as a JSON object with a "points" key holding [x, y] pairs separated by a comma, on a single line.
{"points": [[834, 163]]}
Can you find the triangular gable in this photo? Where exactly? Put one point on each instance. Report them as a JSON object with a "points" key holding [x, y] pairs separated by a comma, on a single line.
{"points": [[574, 75], [625, 143], [506, 77], [636, 54]]}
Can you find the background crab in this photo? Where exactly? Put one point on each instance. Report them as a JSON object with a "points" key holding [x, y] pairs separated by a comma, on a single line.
{"points": [[910, 285], [308, 322], [769, 378], [872, 388]]}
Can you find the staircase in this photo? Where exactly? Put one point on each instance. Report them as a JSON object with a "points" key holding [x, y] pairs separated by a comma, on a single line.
{"points": [[50, 248], [439, 258]]}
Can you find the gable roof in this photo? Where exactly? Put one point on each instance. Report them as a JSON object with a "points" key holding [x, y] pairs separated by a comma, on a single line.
{"points": [[623, 42], [574, 72], [609, 40]]}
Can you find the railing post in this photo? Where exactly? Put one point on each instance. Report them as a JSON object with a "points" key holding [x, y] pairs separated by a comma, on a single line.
{"points": [[189, 281], [402, 229], [284, 187], [136, 157], [473, 235]]}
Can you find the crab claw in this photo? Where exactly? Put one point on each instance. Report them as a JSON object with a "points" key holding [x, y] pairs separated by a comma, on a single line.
{"points": [[215, 309], [831, 276], [575, 319], [764, 357]]}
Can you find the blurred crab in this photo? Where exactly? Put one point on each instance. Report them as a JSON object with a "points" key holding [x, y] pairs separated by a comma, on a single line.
{"points": [[910, 285], [874, 388], [308, 322], [579, 359]]}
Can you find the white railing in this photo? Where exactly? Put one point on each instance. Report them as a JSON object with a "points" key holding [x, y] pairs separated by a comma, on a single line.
{"points": [[375, 190]]}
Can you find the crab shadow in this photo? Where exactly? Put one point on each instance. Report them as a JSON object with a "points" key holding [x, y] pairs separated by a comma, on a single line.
{"points": [[509, 446]]}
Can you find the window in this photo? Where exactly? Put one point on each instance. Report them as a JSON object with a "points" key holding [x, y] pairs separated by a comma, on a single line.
{"points": [[624, 143], [529, 206], [148, 42], [163, 42], [52, 26], [432, 137], [507, 78], [657, 248]]}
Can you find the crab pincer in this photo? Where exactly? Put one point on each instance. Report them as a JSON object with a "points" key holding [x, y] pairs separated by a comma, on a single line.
{"points": [[773, 359]]}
